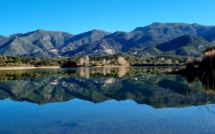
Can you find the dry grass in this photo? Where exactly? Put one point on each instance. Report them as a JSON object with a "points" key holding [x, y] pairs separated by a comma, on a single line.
{"points": [[209, 53]]}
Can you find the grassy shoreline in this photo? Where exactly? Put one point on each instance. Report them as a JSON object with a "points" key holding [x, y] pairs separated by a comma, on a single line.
{"points": [[25, 68], [51, 67]]}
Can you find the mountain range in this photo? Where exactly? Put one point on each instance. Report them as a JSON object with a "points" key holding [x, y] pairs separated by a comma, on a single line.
{"points": [[155, 39]]}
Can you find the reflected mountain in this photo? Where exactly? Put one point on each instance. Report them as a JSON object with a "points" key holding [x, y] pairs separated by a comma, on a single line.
{"points": [[149, 86]]}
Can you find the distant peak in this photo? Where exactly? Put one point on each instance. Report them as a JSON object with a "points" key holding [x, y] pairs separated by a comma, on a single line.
{"points": [[162, 25], [196, 24], [173, 23], [98, 30], [157, 23], [40, 30], [95, 31]]}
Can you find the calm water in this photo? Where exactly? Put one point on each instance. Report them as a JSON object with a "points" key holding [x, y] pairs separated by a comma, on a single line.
{"points": [[104, 100]]}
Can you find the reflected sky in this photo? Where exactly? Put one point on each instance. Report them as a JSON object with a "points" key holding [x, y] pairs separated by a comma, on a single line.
{"points": [[103, 100], [78, 116]]}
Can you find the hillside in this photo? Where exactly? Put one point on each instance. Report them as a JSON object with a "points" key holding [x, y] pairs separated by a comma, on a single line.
{"points": [[157, 36], [186, 45], [38, 42]]}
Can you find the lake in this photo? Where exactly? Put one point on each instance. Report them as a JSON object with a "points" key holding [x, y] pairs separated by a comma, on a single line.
{"points": [[104, 100]]}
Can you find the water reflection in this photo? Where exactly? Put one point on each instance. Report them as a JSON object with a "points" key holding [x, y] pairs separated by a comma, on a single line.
{"points": [[204, 74], [143, 85], [123, 93], [86, 71]]}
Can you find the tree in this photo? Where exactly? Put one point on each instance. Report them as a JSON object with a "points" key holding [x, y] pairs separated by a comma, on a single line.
{"points": [[68, 64], [121, 61], [104, 62], [81, 62], [169, 61], [17, 60], [87, 61]]}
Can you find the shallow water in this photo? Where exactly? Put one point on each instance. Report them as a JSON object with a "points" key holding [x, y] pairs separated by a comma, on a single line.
{"points": [[102, 100]]}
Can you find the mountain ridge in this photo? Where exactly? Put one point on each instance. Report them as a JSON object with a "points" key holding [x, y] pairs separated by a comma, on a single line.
{"points": [[46, 44], [186, 45]]}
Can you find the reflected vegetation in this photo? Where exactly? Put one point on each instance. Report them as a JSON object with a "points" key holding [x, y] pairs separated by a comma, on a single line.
{"points": [[151, 86]]}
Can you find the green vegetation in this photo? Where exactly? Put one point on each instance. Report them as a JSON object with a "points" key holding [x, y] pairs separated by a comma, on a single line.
{"points": [[11, 61], [132, 60], [108, 60]]}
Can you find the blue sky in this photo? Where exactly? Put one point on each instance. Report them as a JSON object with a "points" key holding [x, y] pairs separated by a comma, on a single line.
{"points": [[77, 16]]}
